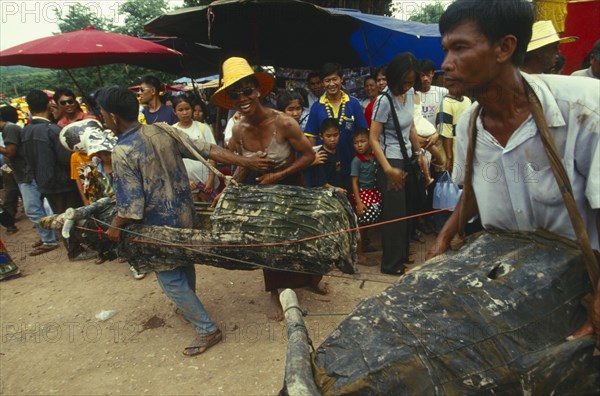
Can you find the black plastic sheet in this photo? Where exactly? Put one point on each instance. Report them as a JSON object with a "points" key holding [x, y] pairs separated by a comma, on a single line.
{"points": [[489, 319]]}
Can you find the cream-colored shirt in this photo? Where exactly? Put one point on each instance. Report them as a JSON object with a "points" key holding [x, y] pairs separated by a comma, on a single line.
{"points": [[514, 185]]}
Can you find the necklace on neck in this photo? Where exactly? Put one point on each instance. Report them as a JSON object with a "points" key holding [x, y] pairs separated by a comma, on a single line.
{"points": [[341, 112]]}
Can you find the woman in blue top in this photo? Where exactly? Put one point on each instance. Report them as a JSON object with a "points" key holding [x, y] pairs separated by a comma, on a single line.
{"points": [[398, 96]]}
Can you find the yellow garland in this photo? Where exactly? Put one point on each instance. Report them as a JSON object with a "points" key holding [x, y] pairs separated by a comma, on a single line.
{"points": [[342, 112]]}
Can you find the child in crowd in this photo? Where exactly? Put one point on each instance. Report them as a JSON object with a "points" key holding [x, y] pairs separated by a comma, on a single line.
{"points": [[292, 104], [427, 132], [199, 111], [326, 170], [96, 176], [365, 195], [202, 181]]}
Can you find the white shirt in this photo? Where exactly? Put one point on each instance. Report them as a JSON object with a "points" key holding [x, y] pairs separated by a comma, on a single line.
{"points": [[514, 185], [312, 98], [584, 73], [430, 102], [196, 170]]}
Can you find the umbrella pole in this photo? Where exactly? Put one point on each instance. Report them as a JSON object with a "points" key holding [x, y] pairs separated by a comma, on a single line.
{"points": [[99, 76], [196, 91], [367, 47], [83, 95]]}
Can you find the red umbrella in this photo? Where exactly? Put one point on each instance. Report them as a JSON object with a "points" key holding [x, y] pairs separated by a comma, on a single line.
{"points": [[88, 48], [85, 48]]}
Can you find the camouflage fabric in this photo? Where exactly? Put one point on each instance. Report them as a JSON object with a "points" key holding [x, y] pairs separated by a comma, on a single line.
{"points": [[269, 218]]}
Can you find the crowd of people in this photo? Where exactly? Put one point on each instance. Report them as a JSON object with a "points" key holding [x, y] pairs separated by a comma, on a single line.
{"points": [[385, 152]]}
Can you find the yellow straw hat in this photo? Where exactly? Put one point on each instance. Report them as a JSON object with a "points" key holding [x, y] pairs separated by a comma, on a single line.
{"points": [[235, 69], [543, 33]]}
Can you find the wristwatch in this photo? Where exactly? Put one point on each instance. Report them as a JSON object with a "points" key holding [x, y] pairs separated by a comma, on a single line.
{"points": [[420, 151]]}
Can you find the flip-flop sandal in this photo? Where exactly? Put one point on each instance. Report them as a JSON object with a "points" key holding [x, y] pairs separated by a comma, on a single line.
{"points": [[202, 343], [43, 249]]}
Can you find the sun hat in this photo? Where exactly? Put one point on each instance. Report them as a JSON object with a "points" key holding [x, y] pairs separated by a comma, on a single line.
{"points": [[86, 136], [235, 69], [543, 33]]}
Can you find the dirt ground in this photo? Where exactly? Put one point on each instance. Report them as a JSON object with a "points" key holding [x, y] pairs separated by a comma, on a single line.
{"points": [[53, 343]]}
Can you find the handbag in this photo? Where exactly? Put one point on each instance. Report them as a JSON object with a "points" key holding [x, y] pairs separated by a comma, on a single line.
{"points": [[416, 193], [446, 193]]}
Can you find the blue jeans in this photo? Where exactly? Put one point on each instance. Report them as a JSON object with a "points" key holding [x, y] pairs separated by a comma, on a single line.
{"points": [[34, 209], [179, 285]]}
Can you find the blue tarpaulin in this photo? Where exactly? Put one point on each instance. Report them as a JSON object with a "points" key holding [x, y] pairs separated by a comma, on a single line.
{"points": [[379, 38]]}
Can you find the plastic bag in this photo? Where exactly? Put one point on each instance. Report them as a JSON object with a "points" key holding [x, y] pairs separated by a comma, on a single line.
{"points": [[446, 193]]}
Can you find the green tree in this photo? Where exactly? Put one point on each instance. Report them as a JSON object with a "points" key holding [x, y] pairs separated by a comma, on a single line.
{"points": [[79, 17], [138, 12], [430, 13]]}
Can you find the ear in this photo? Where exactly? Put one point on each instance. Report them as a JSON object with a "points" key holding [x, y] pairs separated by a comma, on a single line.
{"points": [[505, 48]]}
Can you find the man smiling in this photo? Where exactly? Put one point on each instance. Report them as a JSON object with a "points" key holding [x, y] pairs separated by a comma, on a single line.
{"points": [[345, 109]]}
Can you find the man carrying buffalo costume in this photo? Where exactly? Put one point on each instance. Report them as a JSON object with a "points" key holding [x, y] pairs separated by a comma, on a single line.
{"points": [[151, 186], [485, 43]]}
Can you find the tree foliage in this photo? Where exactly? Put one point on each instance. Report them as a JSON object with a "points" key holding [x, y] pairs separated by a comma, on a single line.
{"points": [[138, 12], [79, 17], [430, 13]]}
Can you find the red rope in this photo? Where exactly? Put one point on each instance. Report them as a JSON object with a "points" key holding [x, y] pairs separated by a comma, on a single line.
{"points": [[295, 241]]}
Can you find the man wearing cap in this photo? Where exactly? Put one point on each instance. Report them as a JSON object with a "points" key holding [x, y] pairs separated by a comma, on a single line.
{"points": [[484, 43], [542, 51], [594, 69], [151, 186], [263, 132]]}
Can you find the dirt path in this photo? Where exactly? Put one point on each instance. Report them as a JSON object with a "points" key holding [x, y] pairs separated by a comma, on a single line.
{"points": [[52, 342]]}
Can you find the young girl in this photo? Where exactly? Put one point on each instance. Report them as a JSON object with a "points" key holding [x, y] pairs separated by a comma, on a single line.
{"points": [[199, 111], [365, 195], [292, 104], [202, 181]]}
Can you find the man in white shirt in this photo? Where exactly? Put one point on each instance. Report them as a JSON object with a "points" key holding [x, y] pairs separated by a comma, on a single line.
{"points": [[431, 95], [512, 181], [316, 88], [594, 69]]}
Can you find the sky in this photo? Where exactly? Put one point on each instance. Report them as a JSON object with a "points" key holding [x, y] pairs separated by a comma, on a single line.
{"points": [[26, 20]]}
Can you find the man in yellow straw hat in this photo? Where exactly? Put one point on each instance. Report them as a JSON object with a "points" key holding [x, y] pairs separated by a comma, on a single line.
{"points": [[264, 132], [543, 51]]}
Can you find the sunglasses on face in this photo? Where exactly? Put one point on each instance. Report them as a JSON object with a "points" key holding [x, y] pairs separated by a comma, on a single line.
{"points": [[236, 94], [143, 89], [66, 102]]}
